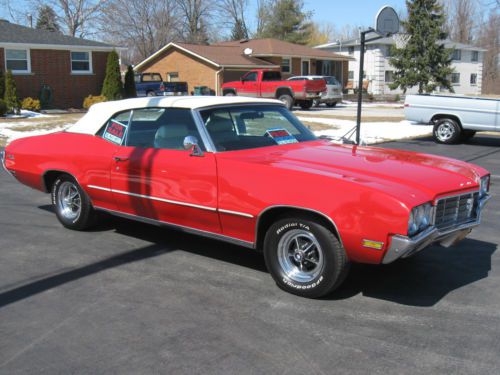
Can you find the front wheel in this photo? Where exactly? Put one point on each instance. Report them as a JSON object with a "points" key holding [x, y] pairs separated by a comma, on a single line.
{"points": [[316, 102], [72, 205], [447, 131], [304, 257]]}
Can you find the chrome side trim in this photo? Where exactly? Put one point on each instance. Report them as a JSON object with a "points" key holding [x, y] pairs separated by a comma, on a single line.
{"points": [[299, 208], [2, 157], [182, 228], [235, 213], [403, 246], [425, 106], [154, 198]]}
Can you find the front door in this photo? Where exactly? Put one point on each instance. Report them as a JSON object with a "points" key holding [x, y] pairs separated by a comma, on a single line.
{"points": [[305, 67], [249, 85], [153, 176]]}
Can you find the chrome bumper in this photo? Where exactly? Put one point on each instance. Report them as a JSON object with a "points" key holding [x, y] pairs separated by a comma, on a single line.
{"points": [[403, 246]]}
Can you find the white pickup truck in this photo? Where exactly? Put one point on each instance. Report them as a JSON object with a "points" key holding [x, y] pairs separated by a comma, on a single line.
{"points": [[455, 118]]}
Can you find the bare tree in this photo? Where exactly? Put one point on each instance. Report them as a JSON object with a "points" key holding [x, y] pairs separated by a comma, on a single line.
{"points": [[489, 39], [196, 16], [232, 15], [144, 26], [462, 19]]}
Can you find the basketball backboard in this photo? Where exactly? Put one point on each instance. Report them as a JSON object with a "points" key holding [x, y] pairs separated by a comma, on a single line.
{"points": [[386, 21]]}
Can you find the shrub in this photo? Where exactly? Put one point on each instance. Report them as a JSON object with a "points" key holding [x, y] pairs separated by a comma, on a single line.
{"points": [[3, 107], [31, 104], [90, 100], [129, 87], [112, 87], [10, 95], [2, 84], [397, 98]]}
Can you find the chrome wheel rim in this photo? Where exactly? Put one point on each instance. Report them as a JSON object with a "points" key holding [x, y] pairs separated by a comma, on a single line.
{"points": [[69, 200], [445, 131], [300, 255]]}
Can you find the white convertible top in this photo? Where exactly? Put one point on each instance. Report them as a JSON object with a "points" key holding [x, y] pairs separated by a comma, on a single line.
{"points": [[99, 113]]}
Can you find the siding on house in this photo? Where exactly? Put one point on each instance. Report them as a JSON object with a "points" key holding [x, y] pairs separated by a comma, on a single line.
{"points": [[53, 68], [192, 70]]}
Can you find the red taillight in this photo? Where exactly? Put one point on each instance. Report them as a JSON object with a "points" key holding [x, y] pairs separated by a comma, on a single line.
{"points": [[162, 87], [407, 105]]}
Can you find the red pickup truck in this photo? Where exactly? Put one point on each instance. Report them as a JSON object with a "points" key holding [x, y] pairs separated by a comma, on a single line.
{"points": [[265, 83]]}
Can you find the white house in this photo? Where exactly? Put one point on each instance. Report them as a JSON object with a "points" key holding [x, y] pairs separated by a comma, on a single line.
{"points": [[467, 62]]}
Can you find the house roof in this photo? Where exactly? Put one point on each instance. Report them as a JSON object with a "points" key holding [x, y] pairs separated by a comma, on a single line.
{"points": [[390, 41], [12, 34], [275, 47], [217, 55], [99, 113]]}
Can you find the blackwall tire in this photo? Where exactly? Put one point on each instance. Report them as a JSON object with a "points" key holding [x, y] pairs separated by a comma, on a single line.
{"points": [[71, 204], [304, 257], [306, 104], [229, 93], [447, 131], [331, 105]]}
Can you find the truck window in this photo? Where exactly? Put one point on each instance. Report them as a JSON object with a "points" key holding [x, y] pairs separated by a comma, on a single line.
{"points": [[151, 77], [271, 76], [251, 77]]}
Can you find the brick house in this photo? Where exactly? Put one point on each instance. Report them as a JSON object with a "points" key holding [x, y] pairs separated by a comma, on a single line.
{"points": [[212, 65], [72, 67]]}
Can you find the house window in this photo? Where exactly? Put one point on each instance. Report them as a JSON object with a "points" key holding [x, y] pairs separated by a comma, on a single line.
{"points": [[351, 50], [285, 65], [475, 56], [455, 79], [456, 55], [18, 60], [473, 79], [351, 74], [173, 76], [80, 62], [389, 76]]}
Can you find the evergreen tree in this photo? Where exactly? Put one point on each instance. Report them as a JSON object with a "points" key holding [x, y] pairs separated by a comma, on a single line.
{"points": [[112, 87], [47, 19], [10, 95], [423, 61], [286, 20], [129, 87], [2, 84], [239, 31]]}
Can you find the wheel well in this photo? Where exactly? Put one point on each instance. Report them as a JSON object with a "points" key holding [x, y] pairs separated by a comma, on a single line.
{"points": [[268, 217], [443, 116], [283, 91], [49, 178], [226, 91]]}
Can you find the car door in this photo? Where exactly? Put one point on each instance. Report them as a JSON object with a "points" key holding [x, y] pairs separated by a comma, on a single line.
{"points": [[249, 85], [153, 176]]}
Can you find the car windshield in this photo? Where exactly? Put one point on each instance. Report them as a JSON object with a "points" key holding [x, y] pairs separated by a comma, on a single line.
{"points": [[246, 127], [331, 81]]}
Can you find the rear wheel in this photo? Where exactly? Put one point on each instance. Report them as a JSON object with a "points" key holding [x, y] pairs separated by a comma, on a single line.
{"points": [[304, 257], [151, 93], [229, 93], [447, 131], [316, 102], [331, 104], [306, 104], [287, 99], [71, 203]]}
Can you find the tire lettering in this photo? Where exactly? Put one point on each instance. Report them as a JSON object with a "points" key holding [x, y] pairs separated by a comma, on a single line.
{"points": [[303, 287]]}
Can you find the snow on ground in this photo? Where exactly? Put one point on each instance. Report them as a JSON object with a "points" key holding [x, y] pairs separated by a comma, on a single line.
{"points": [[25, 113], [347, 103], [11, 133], [371, 132]]}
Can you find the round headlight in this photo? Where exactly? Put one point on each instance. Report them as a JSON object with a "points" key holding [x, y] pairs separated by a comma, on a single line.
{"points": [[420, 218], [484, 186]]}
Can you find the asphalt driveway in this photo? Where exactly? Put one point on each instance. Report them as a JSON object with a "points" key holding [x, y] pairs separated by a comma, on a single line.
{"points": [[129, 298]]}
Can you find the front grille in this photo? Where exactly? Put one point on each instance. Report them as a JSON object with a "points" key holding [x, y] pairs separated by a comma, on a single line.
{"points": [[456, 210]]}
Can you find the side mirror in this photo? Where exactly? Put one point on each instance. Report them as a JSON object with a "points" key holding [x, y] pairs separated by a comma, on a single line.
{"points": [[191, 143], [242, 79]]}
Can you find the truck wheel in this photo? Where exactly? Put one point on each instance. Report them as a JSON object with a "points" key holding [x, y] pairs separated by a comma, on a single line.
{"points": [[316, 102], [331, 104], [306, 104], [447, 131], [304, 257], [229, 93], [468, 134], [287, 99], [72, 205]]}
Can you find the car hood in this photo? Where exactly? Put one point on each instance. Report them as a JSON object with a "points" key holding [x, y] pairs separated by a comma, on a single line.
{"points": [[411, 177]]}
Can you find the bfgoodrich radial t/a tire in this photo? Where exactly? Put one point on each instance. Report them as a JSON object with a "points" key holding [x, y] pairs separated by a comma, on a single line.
{"points": [[71, 203], [304, 257]]}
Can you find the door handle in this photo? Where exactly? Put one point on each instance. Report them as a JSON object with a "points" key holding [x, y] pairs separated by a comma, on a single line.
{"points": [[120, 158]]}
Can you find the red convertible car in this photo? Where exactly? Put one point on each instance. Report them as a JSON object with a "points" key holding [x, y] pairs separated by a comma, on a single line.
{"points": [[248, 172]]}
